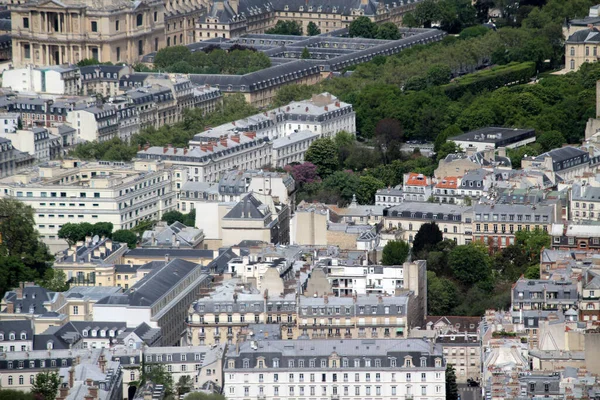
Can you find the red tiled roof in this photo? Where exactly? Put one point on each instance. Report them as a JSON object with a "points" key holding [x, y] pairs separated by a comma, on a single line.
{"points": [[450, 182], [415, 179]]}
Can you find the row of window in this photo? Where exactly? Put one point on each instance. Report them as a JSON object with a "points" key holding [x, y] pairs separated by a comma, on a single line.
{"points": [[13, 336], [345, 363], [335, 391]]}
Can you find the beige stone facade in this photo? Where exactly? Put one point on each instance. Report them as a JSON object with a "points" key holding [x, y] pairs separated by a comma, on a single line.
{"points": [[50, 32]]}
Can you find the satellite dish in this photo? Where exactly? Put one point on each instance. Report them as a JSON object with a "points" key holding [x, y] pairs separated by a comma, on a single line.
{"points": [[95, 239]]}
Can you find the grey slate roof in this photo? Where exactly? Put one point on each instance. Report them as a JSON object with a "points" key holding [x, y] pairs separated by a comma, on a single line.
{"points": [[172, 253], [33, 299], [247, 208], [585, 36], [562, 154], [17, 327]]}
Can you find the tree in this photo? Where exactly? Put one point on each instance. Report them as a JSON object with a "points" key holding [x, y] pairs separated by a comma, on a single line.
{"points": [[125, 236], [551, 140], [362, 27], [173, 216], [388, 31], [184, 385], [305, 54], [367, 187], [427, 237], [388, 136], [46, 384], [303, 173], [165, 56], [395, 252], [470, 263], [158, 374], [312, 29], [103, 229], [344, 139], [285, 27], [72, 233], [344, 184], [451, 387], [442, 294], [54, 280], [438, 74], [322, 153]]}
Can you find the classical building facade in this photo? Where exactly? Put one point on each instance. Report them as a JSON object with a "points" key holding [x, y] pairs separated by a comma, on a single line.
{"points": [[353, 369], [49, 32]]}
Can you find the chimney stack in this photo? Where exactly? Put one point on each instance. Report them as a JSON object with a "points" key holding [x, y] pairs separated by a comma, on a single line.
{"points": [[63, 392], [93, 391], [71, 377], [102, 363]]}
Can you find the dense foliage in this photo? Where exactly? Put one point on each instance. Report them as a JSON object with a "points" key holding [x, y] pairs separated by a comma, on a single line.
{"points": [[23, 257], [238, 60], [188, 219], [395, 252], [287, 27], [468, 279], [365, 28]]}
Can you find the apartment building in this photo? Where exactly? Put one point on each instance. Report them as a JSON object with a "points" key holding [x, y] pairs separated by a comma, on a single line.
{"points": [[406, 219], [389, 196], [84, 372], [75, 191], [330, 368], [91, 262], [51, 33], [292, 148], [531, 294], [463, 351], [417, 187], [323, 114], [571, 236], [11, 159], [203, 364], [209, 161], [16, 335], [496, 224], [569, 163], [97, 123], [581, 47], [584, 202], [53, 79], [102, 79], [160, 299], [494, 137]]}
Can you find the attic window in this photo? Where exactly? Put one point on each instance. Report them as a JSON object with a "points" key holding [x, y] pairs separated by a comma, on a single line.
{"points": [[286, 8]]}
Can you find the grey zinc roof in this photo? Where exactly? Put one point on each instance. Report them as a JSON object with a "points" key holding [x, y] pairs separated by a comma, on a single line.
{"points": [[17, 327], [33, 299], [562, 154], [294, 138], [585, 36], [158, 282], [247, 208], [172, 253]]}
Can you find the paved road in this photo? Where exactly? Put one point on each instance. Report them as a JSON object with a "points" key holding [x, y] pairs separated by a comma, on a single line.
{"points": [[469, 393]]}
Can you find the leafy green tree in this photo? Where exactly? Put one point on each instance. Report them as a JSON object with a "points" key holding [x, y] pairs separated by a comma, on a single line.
{"points": [[473, 31], [388, 137], [367, 187], [72, 233], [447, 148], [312, 29], [451, 386], [91, 61], [442, 294], [427, 237], [362, 27], [344, 139], [427, 12], [343, 184], [305, 54], [46, 384], [158, 374], [285, 27], [551, 140], [103, 229], [165, 56], [125, 236], [470, 263], [440, 140], [395, 252], [173, 216], [388, 31], [510, 262], [184, 385], [322, 152], [54, 280], [438, 74], [533, 242]]}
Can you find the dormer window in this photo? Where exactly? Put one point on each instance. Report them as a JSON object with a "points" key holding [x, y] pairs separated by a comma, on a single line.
{"points": [[301, 9], [84, 333], [94, 333], [23, 336], [49, 345], [286, 8], [11, 336], [1, 336]]}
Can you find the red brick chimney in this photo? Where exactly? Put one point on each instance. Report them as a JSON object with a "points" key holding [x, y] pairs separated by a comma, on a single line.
{"points": [[235, 138], [165, 149], [71, 377], [251, 134], [63, 392], [93, 391]]}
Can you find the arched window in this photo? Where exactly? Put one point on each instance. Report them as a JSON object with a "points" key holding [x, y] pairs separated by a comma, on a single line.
{"points": [[49, 345], [10, 380], [23, 336], [21, 380], [168, 41], [139, 20], [572, 64], [11, 336]]}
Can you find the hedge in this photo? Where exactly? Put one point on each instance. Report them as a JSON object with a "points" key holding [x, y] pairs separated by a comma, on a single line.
{"points": [[490, 79]]}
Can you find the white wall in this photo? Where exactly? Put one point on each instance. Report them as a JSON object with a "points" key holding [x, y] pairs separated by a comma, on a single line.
{"points": [[133, 316], [85, 124], [207, 219]]}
